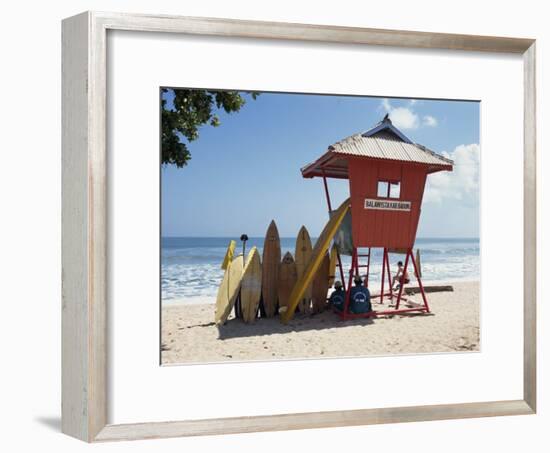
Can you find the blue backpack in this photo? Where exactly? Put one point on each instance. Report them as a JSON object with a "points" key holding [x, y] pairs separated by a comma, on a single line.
{"points": [[360, 300], [337, 299]]}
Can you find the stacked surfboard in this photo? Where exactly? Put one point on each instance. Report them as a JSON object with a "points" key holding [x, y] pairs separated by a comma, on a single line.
{"points": [[241, 279], [271, 285]]}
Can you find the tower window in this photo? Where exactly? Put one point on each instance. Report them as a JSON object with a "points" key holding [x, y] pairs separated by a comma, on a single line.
{"points": [[389, 189], [383, 189]]}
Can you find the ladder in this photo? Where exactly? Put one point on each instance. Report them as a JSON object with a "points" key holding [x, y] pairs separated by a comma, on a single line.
{"points": [[356, 266], [354, 270]]}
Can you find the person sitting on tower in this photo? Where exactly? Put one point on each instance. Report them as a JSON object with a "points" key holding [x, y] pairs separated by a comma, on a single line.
{"points": [[338, 296], [359, 297], [401, 277]]}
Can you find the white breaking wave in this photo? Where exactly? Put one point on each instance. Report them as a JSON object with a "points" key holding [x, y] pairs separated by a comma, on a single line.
{"points": [[191, 273]]}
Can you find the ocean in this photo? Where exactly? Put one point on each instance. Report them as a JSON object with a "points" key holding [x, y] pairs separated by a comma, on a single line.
{"points": [[190, 266]]}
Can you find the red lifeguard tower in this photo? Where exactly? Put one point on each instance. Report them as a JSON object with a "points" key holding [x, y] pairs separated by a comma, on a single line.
{"points": [[387, 173]]}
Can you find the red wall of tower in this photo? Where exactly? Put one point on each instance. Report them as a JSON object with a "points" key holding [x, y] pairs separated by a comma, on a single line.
{"points": [[385, 228]]}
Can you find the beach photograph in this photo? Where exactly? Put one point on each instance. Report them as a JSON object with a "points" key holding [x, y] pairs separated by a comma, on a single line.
{"points": [[311, 226]]}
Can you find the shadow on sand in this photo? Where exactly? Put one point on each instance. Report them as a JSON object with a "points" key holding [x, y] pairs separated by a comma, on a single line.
{"points": [[236, 328]]}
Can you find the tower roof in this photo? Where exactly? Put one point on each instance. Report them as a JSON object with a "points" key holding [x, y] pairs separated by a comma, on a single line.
{"points": [[387, 126], [383, 142]]}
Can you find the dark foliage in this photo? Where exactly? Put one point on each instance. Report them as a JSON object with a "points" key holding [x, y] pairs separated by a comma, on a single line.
{"points": [[192, 109]]}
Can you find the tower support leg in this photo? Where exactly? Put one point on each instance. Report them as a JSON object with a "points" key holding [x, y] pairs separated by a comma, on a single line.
{"points": [[352, 270], [384, 258], [389, 274], [329, 206], [343, 278]]}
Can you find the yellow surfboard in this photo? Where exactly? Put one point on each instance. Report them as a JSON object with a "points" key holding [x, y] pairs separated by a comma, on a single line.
{"points": [[251, 286], [332, 266], [302, 255], [229, 254], [287, 279], [270, 269], [321, 247], [221, 299], [229, 290]]}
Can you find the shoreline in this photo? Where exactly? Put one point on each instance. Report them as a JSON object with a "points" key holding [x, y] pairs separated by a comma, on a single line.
{"points": [[209, 300], [189, 334]]}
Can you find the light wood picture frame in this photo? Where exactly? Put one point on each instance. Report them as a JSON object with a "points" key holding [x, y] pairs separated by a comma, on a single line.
{"points": [[84, 225]]}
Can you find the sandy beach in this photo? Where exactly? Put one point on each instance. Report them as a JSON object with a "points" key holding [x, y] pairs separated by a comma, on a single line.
{"points": [[189, 333]]}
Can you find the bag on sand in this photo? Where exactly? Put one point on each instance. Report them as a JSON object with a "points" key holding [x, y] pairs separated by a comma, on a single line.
{"points": [[360, 300], [337, 299]]}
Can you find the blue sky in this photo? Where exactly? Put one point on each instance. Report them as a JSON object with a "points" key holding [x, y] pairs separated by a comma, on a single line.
{"points": [[246, 172]]}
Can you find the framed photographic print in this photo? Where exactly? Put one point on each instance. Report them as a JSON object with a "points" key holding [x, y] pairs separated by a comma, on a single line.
{"points": [[217, 281], [263, 222]]}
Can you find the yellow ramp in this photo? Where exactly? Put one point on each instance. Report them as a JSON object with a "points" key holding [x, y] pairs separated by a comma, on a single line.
{"points": [[321, 246]]}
